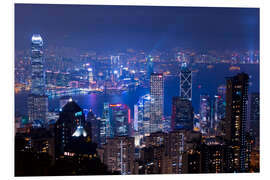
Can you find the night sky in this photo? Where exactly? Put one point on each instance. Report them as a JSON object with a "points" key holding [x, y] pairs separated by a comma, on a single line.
{"points": [[111, 27]]}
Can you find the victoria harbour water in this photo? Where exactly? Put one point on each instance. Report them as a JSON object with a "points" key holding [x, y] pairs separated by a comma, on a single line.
{"points": [[204, 81]]}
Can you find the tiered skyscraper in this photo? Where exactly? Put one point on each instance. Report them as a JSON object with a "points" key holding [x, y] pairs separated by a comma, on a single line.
{"points": [[37, 100], [182, 111], [157, 101], [236, 118]]}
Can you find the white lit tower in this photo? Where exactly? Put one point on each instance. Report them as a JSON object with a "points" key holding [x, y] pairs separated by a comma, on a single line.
{"points": [[37, 65], [37, 100]]}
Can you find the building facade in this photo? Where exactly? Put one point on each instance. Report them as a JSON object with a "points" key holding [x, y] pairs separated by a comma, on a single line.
{"points": [[236, 118], [182, 114], [37, 100], [156, 102], [185, 82]]}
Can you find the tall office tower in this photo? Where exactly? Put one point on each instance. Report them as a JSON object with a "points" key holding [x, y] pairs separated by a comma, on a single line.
{"points": [[157, 101], [95, 126], [254, 116], [115, 67], [37, 100], [142, 115], [236, 118], [119, 155], [102, 131], [70, 124], [105, 126], [185, 82], [149, 66], [37, 65], [182, 114], [205, 114], [219, 109], [120, 120], [90, 77]]}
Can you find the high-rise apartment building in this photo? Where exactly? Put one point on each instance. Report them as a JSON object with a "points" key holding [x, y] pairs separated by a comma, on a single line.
{"points": [[119, 155], [236, 118]]}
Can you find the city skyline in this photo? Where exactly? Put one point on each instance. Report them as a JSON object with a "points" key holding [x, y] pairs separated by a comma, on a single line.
{"points": [[159, 109]]}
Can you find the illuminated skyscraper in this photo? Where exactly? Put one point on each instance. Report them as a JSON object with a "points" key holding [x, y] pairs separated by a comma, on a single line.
{"points": [[37, 100], [182, 114], [185, 82], [90, 77], [236, 118], [105, 126], [37, 65], [142, 115], [120, 120], [157, 101], [218, 114], [205, 114]]}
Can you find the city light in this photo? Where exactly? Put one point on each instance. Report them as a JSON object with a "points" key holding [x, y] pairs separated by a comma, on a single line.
{"points": [[97, 105]]}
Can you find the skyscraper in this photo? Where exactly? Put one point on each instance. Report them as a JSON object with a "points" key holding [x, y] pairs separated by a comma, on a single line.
{"points": [[37, 100], [119, 155], [254, 116], [218, 114], [142, 115], [120, 119], [185, 82], [182, 114], [157, 101], [236, 118], [37, 108], [95, 126], [205, 114], [105, 126], [37, 65]]}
